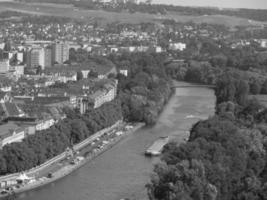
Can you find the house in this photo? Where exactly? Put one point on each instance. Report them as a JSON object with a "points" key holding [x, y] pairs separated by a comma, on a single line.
{"points": [[99, 97], [45, 124], [5, 88], [4, 66], [177, 46], [4, 97], [10, 133]]}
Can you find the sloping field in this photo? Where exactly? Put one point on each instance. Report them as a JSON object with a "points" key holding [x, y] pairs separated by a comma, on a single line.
{"points": [[124, 17]]}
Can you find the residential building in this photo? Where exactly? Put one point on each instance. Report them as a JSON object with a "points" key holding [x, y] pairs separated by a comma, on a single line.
{"points": [[60, 52], [4, 66], [18, 70], [39, 56], [177, 46], [124, 72], [48, 57], [44, 124], [20, 57], [10, 133], [36, 57], [4, 97], [99, 97]]}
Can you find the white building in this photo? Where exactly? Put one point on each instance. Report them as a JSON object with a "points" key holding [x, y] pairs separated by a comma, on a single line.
{"points": [[20, 57], [4, 66], [10, 133], [124, 72], [45, 124], [177, 46], [100, 97], [18, 70], [263, 43]]}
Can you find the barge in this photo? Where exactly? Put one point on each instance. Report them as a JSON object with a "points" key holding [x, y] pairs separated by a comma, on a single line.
{"points": [[156, 148]]}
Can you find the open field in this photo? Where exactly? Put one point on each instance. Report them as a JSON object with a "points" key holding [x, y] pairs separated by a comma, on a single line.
{"points": [[64, 10]]}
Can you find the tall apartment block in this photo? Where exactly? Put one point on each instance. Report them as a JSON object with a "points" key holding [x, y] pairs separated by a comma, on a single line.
{"points": [[39, 56], [60, 52]]}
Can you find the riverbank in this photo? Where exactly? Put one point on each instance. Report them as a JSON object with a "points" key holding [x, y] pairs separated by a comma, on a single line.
{"points": [[104, 142], [123, 171]]}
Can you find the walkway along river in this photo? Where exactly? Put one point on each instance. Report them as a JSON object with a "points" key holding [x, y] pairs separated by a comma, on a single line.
{"points": [[123, 171]]}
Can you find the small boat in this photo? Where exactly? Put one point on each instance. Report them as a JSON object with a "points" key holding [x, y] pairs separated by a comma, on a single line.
{"points": [[190, 117], [156, 148]]}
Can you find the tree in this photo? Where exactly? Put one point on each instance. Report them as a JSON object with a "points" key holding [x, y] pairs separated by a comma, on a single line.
{"points": [[78, 131], [255, 87], [225, 89], [242, 91], [193, 75], [264, 87], [92, 74]]}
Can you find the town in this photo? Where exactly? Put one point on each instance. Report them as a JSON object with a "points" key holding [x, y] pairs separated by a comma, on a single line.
{"points": [[67, 83], [44, 64]]}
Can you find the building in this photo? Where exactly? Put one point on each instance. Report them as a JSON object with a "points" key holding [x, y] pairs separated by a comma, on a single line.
{"points": [[263, 43], [39, 56], [48, 57], [10, 133], [177, 46], [20, 57], [35, 57], [17, 70], [4, 66], [44, 124], [4, 97], [60, 52], [124, 72], [99, 97]]}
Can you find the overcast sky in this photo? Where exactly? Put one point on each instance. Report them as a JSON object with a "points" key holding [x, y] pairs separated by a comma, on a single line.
{"points": [[218, 3]]}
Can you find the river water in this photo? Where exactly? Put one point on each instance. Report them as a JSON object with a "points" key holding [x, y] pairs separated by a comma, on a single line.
{"points": [[123, 171]]}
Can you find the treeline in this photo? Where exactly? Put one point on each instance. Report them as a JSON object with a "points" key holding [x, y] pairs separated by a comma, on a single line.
{"points": [[255, 14], [225, 156], [147, 88], [8, 14], [44, 145]]}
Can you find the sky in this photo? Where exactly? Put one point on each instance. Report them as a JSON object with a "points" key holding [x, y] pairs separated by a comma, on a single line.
{"points": [[262, 4]]}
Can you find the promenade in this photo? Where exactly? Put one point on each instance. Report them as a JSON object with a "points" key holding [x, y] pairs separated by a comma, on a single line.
{"points": [[77, 147]]}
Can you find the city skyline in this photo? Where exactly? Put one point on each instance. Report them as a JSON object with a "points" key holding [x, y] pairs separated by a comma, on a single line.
{"points": [[254, 4]]}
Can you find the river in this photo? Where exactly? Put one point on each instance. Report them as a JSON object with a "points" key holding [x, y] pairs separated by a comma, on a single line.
{"points": [[123, 171]]}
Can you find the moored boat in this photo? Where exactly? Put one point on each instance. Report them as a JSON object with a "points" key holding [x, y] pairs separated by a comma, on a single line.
{"points": [[156, 148]]}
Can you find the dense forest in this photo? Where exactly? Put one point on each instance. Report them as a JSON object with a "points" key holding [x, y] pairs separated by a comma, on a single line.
{"points": [[225, 156], [38, 148]]}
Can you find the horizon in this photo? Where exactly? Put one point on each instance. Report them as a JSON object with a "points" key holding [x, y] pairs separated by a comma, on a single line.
{"points": [[250, 4]]}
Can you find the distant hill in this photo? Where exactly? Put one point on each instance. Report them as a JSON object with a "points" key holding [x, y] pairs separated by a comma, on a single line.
{"points": [[104, 17], [253, 14]]}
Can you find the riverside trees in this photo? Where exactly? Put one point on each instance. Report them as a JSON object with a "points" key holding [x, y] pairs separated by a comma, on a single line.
{"points": [[225, 157], [38, 148], [147, 88]]}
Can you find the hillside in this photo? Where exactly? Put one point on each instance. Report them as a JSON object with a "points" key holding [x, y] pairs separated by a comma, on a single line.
{"points": [[67, 10]]}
